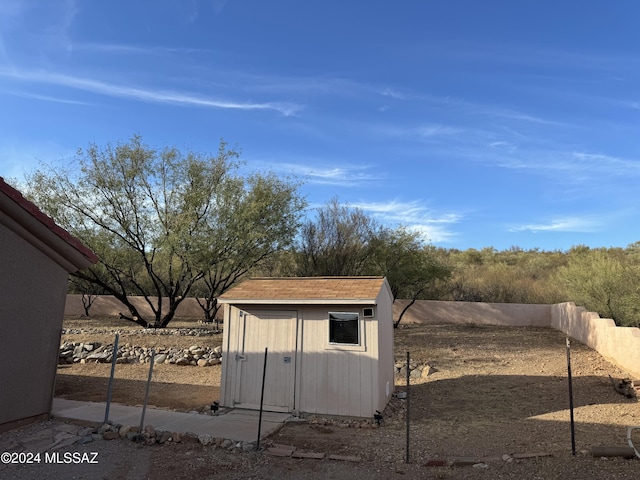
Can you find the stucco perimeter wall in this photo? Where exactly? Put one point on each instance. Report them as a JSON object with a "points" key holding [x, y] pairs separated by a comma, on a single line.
{"points": [[619, 345], [508, 314], [110, 306]]}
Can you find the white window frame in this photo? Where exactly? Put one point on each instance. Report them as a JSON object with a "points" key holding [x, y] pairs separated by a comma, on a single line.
{"points": [[360, 346]]}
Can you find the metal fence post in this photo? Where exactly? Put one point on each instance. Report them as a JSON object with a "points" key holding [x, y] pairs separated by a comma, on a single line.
{"points": [[573, 427], [408, 409], [264, 374], [114, 358], [146, 395]]}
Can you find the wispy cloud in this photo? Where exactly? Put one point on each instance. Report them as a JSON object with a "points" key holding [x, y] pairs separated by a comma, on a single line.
{"points": [[530, 56], [59, 31], [503, 145], [218, 6], [392, 92], [346, 175], [146, 94], [425, 131], [608, 163], [579, 165], [522, 117], [48, 98], [124, 49], [435, 227], [564, 224]]}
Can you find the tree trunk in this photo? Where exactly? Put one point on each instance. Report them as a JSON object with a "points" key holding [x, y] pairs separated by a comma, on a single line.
{"points": [[87, 301], [404, 310]]}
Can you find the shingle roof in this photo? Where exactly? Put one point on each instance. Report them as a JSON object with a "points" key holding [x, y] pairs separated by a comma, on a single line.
{"points": [[305, 289]]}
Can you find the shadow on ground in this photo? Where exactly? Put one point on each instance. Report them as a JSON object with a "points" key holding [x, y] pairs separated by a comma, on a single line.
{"points": [[182, 397]]}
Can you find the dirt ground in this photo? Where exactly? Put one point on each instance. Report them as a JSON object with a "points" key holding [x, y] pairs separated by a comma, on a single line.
{"points": [[494, 391], [90, 381]]}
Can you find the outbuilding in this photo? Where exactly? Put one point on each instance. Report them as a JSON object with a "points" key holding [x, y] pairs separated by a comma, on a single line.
{"points": [[36, 257], [329, 342]]}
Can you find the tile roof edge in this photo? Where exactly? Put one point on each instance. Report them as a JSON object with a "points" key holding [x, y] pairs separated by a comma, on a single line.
{"points": [[14, 195]]}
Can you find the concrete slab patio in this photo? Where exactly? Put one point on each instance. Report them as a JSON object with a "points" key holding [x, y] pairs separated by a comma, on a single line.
{"points": [[236, 425]]}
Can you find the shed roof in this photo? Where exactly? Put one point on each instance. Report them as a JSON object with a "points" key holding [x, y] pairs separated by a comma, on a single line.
{"points": [[29, 222], [298, 290]]}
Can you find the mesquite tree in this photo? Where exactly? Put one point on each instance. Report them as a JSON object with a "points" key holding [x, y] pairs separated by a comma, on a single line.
{"points": [[346, 241], [338, 242], [154, 218], [257, 222]]}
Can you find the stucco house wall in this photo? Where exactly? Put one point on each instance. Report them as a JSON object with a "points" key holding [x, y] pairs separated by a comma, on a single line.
{"points": [[28, 327], [36, 258]]}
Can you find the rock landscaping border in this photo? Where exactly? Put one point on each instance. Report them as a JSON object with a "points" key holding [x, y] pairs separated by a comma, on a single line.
{"points": [[95, 352]]}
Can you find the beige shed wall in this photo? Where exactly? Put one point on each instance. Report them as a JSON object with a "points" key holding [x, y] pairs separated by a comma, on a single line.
{"points": [[338, 380], [226, 393], [330, 379], [386, 365], [28, 330]]}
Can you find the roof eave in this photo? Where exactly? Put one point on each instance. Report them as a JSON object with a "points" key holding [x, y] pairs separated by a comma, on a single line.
{"points": [[27, 221], [299, 301]]}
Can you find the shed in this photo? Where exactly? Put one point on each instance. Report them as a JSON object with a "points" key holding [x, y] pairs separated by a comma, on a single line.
{"points": [[36, 257], [329, 341]]}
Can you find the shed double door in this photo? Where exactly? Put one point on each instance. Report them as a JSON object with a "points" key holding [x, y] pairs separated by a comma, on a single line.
{"points": [[276, 331]]}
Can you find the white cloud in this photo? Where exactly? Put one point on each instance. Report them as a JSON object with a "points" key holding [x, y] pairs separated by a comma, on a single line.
{"points": [[500, 144], [346, 175], [415, 216], [433, 233], [143, 94], [427, 131], [48, 98], [575, 167], [392, 92], [608, 163], [124, 49], [565, 224], [523, 117]]}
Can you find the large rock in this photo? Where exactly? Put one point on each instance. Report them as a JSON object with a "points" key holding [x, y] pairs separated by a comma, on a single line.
{"points": [[427, 370], [101, 357], [160, 358]]}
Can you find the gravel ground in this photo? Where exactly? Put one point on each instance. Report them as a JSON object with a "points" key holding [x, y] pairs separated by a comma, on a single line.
{"points": [[493, 393]]}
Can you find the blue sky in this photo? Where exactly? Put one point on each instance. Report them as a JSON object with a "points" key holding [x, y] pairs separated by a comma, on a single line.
{"points": [[479, 123]]}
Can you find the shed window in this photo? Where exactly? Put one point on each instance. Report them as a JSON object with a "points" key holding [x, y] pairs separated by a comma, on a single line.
{"points": [[344, 328]]}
